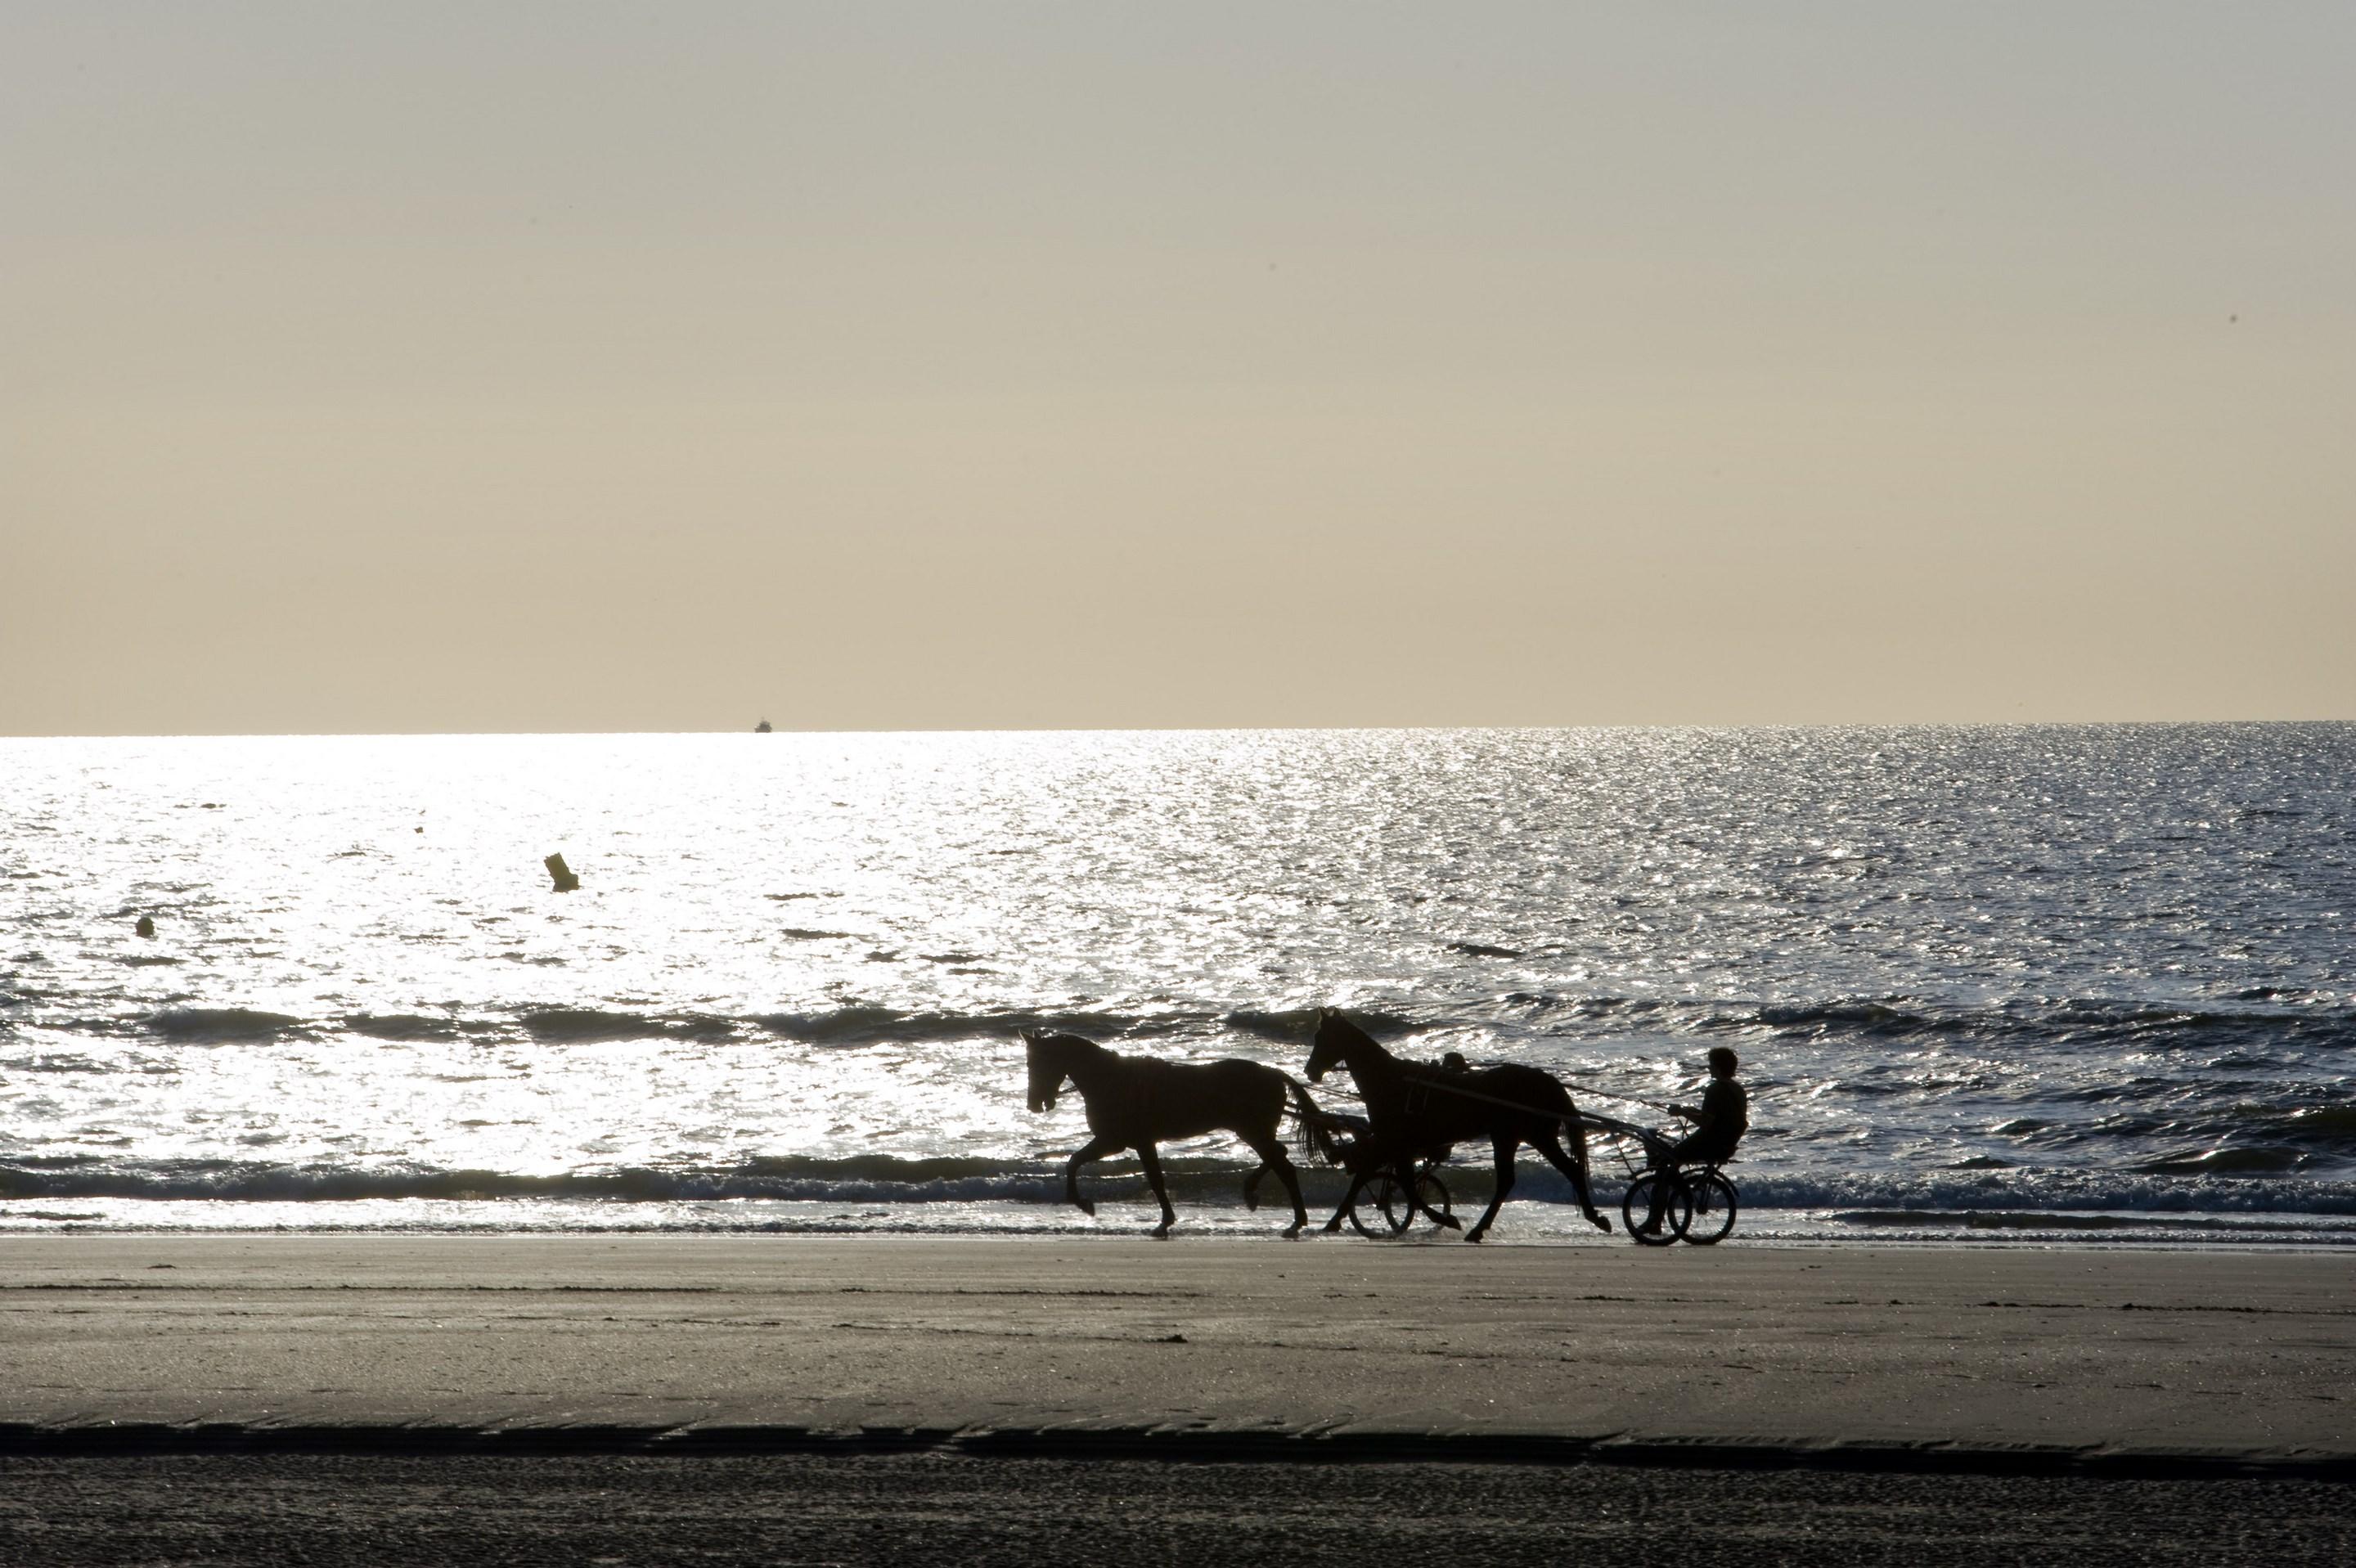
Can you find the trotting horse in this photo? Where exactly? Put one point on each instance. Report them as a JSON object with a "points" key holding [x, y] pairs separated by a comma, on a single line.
{"points": [[1414, 1108], [1136, 1102]]}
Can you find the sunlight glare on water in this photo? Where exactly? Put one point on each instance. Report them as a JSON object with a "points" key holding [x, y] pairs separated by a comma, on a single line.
{"points": [[2101, 968]]}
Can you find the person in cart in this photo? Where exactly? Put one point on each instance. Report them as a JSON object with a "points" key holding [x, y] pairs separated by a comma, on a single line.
{"points": [[1721, 1118], [1719, 1121]]}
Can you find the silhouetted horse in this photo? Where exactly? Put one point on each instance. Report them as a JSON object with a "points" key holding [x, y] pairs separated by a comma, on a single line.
{"points": [[1414, 1108], [1136, 1102]]}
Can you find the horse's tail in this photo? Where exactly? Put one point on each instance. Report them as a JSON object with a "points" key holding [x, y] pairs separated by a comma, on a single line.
{"points": [[1567, 1106], [1574, 1130], [1574, 1126], [1314, 1136]]}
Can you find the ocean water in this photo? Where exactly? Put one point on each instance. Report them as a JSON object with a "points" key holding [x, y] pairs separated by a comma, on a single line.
{"points": [[2087, 983]]}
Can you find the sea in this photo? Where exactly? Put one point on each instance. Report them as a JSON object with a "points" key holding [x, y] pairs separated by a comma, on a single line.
{"points": [[2004, 986]]}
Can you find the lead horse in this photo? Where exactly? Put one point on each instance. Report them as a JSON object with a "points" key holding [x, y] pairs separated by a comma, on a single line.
{"points": [[1413, 1108], [1135, 1102]]}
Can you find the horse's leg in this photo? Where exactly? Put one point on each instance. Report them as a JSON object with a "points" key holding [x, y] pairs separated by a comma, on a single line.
{"points": [[1413, 1189], [1095, 1149], [1273, 1158], [1573, 1164], [1148, 1158], [1358, 1178], [1506, 1144], [1251, 1184]]}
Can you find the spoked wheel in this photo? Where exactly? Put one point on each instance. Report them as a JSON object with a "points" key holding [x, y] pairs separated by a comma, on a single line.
{"points": [[1381, 1211], [1713, 1209], [1657, 1209]]}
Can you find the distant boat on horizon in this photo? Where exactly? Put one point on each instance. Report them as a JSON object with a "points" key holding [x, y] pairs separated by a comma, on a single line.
{"points": [[762, 728]]}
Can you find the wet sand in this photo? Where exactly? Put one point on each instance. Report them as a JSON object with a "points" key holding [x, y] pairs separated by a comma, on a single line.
{"points": [[1986, 1359]]}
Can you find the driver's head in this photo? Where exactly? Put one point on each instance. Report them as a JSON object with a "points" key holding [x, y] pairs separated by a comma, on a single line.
{"points": [[1722, 1061]]}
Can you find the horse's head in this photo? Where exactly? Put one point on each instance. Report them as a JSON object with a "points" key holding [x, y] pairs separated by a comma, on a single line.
{"points": [[1048, 1065], [1341, 1043], [1325, 1051]]}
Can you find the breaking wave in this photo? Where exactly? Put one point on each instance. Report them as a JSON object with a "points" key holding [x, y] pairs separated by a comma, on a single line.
{"points": [[220, 1024], [578, 1025], [2257, 1031], [2277, 1018], [875, 1178], [884, 1178]]}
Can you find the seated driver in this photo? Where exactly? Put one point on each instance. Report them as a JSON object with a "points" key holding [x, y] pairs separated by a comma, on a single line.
{"points": [[1719, 1122], [1721, 1119]]}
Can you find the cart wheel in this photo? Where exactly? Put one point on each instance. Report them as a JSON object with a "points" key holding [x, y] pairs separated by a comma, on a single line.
{"points": [[1376, 1213], [1433, 1194], [1713, 1209], [1657, 1209], [1381, 1212]]}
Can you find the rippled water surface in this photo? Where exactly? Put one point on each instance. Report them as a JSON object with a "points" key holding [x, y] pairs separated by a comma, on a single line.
{"points": [[2034, 982]]}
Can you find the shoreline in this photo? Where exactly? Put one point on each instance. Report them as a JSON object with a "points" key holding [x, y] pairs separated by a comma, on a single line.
{"points": [[1921, 1357], [1532, 1224], [1965, 1239]]}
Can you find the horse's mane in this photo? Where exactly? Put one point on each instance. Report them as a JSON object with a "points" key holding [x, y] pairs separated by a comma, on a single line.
{"points": [[1333, 1018], [1058, 1036]]}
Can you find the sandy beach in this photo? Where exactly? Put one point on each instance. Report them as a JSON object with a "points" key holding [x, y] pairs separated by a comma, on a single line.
{"points": [[378, 1400], [1966, 1358]]}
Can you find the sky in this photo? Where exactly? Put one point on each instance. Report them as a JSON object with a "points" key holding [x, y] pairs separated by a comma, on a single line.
{"points": [[669, 367]]}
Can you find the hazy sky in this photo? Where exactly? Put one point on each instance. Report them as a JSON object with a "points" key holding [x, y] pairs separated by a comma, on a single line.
{"points": [[664, 367]]}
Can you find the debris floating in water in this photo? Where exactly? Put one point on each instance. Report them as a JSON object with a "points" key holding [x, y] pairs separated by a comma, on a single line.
{"points": [[565, 880], [146, 927]]}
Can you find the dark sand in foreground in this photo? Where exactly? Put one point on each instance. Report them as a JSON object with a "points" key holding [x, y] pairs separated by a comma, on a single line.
{"points": [[1973, 1356], [936, 1509]]}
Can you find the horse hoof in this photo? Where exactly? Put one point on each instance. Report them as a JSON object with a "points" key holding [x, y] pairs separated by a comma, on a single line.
{"points": [[1600, 1222], [1451, 1222], [1475, 1236], [1293, 1233], [1333, 1227], [1087, 1207], [1162, 1233]]}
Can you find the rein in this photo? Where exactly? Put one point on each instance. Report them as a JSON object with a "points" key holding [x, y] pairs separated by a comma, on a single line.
{"points": [[1427, 1082], [1426, 1079], [1624, 1099], [1438, 1082]]}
